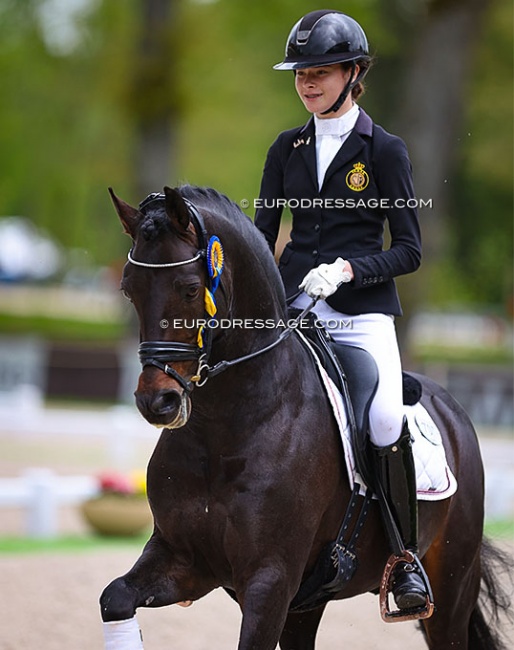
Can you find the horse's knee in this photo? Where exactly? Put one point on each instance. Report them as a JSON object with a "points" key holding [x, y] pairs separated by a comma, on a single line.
{"points": [[118, 601]]}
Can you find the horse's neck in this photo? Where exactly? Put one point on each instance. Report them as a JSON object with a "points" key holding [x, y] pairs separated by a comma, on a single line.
{"points": [[254, 292], [250, 332], [266, 379], [253, 307]]}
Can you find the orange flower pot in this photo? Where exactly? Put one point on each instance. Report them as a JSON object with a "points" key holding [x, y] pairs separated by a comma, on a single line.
{"points": [[117, 515]]}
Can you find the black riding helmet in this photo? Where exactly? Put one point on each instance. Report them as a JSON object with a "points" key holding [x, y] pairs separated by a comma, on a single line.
{"points": [[326, 37]]}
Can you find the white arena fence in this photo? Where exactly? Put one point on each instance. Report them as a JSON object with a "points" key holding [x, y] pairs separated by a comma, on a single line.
{"points": [[40, 492]]}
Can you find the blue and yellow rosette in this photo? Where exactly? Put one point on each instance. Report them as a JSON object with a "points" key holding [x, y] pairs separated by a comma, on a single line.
{"points": [[215, 260]]}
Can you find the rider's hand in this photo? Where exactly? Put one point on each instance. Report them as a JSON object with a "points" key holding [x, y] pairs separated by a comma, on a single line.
{"points": [[324, 280]]}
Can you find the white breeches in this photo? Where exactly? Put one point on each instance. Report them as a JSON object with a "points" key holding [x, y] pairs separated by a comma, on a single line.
{"points": [[375, 333]]}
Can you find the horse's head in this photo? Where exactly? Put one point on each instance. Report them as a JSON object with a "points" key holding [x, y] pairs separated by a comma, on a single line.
{"points": [[167, 280]]}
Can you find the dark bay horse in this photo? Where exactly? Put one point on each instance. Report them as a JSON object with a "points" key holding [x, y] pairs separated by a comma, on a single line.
{"points": [[247, 482]]}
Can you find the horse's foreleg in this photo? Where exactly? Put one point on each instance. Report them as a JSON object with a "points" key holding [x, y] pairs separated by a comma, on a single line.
{"points": [[264, 603], [147, 583], [300, 630], [157, 579]]}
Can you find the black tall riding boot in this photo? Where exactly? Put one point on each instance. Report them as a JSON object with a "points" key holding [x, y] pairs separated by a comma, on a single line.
{"points": [[397, 475]]}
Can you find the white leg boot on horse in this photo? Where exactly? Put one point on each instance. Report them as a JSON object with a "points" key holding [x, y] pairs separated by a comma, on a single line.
{"points": [[396, 473], [122, 635]]}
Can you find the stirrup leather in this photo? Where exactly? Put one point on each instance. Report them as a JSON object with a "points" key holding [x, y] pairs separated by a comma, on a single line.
{"points": [[415, 613]]}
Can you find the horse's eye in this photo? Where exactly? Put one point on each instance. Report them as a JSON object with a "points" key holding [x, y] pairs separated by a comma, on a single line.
{"points": [[192, 292]]}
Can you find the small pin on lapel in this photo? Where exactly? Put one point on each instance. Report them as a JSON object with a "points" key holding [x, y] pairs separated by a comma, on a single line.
{"points": [[301, 141]]}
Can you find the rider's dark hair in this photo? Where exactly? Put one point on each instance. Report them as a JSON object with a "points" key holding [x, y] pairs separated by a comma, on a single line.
{"points": [[359, 89]]}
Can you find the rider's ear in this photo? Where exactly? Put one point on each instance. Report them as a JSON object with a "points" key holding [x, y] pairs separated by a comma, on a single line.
{"points": [[176, 209], [128, 215]]}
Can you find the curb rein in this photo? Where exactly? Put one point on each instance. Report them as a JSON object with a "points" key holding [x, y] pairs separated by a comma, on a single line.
{"points": [[161, 354]]}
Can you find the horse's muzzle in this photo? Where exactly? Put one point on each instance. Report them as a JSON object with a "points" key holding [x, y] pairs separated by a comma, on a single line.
{"points": [[164, 408]]}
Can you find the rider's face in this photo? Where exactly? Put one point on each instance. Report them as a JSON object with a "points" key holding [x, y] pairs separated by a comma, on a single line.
{"points": [[320, 87]]}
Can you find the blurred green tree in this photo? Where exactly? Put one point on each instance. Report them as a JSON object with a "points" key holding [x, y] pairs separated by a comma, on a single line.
{"points": [[144, 93], [153, 101], [64, 133]]}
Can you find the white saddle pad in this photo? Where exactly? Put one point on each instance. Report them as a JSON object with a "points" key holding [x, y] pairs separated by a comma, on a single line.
{"points": [[435, 480]]}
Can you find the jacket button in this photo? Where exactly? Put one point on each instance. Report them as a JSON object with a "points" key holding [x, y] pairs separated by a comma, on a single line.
{"points": [[380, 278], [317, 227], [314, 253]]}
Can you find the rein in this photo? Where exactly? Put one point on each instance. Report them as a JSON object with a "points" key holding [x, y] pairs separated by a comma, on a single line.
{"points": [[161, 354], [223, 365]]}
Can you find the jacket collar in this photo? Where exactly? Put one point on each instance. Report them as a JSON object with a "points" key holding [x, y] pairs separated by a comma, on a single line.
{"points": [[350, 149], [364, 125]]}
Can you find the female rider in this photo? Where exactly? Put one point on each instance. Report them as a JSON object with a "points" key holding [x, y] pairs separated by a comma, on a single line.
{"points": [[342, 177]]}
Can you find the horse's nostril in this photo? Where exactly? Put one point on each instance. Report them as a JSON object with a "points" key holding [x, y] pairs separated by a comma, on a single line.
{"points": [[158, 405], [165, 402]]}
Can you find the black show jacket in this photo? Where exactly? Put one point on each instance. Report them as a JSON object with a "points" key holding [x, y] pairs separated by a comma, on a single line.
{"points": [[345, 218]]}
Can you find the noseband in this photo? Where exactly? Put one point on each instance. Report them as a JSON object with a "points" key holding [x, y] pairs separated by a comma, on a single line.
{"points": [[161, 353]]}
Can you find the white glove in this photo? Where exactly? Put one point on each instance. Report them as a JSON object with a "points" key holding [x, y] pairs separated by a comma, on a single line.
{"points": [[324, 280]]}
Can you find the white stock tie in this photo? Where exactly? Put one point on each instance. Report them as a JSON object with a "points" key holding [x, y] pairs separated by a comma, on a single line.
{"points": [[329, 146], [331, 133]]}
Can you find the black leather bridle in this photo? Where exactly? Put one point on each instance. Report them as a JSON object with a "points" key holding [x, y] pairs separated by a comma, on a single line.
{"points": [[161, 354]]}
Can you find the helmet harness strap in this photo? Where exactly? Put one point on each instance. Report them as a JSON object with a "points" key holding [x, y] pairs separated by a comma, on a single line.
{"points": [[346, 90]]}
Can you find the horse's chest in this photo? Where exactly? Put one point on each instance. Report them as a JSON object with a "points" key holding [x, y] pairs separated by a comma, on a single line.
{"points": [[198, 501]]}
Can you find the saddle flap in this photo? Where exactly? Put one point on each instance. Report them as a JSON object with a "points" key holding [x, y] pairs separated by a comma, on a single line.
{"points": [[362, 377], [353, 370]]}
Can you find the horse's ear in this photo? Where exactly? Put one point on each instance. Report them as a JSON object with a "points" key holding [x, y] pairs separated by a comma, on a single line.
{"points": [[176, 209], [129, 216]]}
